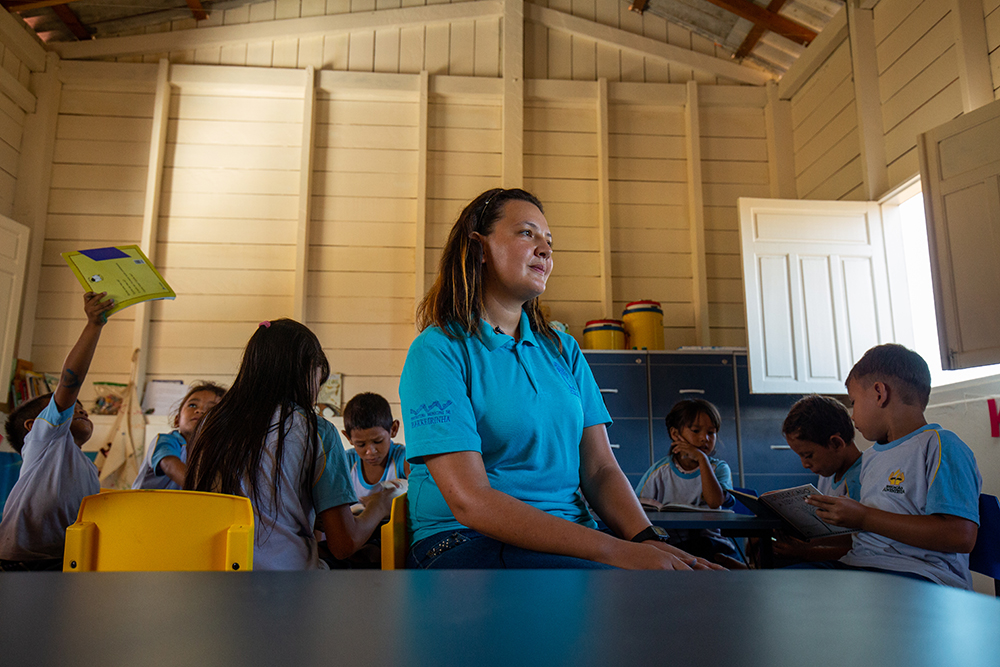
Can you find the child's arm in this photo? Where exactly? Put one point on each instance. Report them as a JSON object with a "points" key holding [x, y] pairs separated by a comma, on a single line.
{"points": [[711, 490], [175, 469], [345, 532], [78, 360], [934, 532], [819, 549]]}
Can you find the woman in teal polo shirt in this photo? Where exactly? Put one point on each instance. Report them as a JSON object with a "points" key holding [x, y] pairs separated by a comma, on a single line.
{"points": [[505, 427]]}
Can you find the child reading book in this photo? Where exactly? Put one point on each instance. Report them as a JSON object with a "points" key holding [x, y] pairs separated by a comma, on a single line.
{"points": [[819, 429], [919, 505], [370, 428], [691, 475]]}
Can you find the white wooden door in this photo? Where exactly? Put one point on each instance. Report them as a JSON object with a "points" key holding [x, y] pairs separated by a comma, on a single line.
{"points": [[13, 264], [817, 291], [960, 169]]}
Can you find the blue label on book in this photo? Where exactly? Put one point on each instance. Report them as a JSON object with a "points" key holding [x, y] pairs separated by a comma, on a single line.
{"points": [[101, 254]]}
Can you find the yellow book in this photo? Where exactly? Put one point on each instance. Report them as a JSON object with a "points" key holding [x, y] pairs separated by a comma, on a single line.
{"points": [[124, 272]]}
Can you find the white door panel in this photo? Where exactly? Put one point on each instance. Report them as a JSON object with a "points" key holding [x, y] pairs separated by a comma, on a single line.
{"points": [[817, 291], [960, 170], [13, 264]]}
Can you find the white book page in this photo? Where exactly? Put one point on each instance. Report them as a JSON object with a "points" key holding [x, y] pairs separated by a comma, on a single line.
{"points": [[791, 504]]}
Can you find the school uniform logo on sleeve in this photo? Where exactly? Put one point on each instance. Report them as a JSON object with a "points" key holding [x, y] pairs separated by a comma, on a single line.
{"points": [[895, 484], [433, 413]]}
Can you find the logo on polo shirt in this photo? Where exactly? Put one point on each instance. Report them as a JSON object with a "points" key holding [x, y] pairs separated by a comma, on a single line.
{"points": [[432, 413], [895, 484]]}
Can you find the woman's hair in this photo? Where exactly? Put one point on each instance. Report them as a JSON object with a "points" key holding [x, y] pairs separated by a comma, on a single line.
{"points": [[277, 373], [685, 412], [455, 300], [216, 389]]}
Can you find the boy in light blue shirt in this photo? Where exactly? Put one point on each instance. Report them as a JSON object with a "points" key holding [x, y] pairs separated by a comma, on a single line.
{"points": [[920, 485], [48, 432]]}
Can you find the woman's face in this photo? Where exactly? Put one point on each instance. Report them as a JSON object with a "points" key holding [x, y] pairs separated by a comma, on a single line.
{"points": [[518, 253]]}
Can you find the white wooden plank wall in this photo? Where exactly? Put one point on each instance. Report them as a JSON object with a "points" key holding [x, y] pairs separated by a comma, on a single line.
{"points": [[560, 168], [360, 285], [464, 158], [825, 132], [464, 48], [226, 237], [554, 54], [918, 76], [11, 126], [734, 164], [96, 200], [650, 232], [991, 10]]}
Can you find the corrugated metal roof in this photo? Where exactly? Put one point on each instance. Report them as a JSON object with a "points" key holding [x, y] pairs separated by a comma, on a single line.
{"points": [[773, 52]]}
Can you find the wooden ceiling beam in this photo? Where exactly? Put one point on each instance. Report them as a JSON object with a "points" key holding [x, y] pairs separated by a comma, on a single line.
{"points": [[72, 21], [776, 23], [638, 6], [197, 11], [756, 32], [35, 4]]}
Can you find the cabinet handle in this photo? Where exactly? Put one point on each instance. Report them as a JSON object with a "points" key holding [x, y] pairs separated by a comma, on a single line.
{"points": [[780, 447], [609, 391], [613, 446], [692, 391]]}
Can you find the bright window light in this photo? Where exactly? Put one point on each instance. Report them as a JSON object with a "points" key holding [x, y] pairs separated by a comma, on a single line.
{"points": [[918, 274]]}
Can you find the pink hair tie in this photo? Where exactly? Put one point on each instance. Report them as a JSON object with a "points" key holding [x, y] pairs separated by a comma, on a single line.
{"points": [[265, 324]]}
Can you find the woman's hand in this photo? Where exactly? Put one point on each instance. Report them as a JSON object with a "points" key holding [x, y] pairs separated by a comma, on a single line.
{"points": [[657, 555]]}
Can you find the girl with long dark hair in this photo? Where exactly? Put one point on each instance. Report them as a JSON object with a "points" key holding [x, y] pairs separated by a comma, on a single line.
{"points": [[264, 441]]}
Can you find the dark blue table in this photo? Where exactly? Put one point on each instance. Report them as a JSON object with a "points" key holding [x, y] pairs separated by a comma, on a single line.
{"points": [[484, 618]]}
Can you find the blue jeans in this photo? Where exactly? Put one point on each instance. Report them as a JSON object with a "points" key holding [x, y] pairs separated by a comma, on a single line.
{"points": [[837, 565], [467, 549]]}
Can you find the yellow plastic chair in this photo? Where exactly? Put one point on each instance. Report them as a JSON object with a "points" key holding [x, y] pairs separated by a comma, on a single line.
{"points": [[394, 537], [159, 530]]}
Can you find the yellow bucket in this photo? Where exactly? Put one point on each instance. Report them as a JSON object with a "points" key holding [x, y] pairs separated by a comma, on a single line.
{"points": [[604, 335], [644, 325]]}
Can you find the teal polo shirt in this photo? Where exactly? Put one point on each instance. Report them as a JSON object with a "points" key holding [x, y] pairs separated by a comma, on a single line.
{"points": [[523, 406]]}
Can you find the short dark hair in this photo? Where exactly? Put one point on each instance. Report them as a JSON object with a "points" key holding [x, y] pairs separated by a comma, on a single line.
{"points": [[685, 412], [816, 419], [899, 367], [15, 428], [367, 410]]}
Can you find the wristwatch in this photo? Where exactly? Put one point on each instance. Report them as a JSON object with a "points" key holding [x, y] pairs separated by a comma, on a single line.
{"points": [[651, 533]]}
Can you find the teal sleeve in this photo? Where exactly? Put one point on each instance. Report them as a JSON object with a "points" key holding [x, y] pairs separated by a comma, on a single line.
{"points": [[333, 485]]}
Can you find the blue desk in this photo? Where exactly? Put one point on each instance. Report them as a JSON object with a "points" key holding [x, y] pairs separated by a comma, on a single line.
{"points": [[486, 618]]}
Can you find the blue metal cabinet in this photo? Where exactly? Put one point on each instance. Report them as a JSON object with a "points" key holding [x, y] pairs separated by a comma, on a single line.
{"points": [[768, 462], [623, 380], [678, 375]]}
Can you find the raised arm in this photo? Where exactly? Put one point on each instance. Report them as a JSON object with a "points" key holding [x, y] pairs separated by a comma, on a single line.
{"points": [[78, 360]]}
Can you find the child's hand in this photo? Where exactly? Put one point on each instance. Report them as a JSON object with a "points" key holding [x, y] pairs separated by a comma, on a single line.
{"points": [[787, 546], [687, 451], [840, 511], [95, 308]]}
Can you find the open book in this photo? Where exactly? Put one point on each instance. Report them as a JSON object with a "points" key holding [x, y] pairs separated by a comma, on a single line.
{"points": [[790, 506], [123, 272], [651, 505]]}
